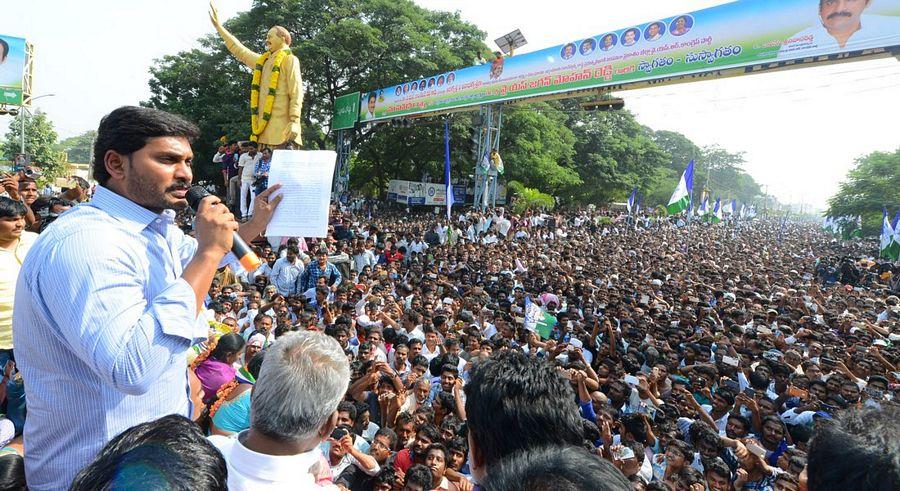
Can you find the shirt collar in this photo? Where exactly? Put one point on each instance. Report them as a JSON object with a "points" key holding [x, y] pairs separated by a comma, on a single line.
{"points": [[271, 467], [132, 215]]}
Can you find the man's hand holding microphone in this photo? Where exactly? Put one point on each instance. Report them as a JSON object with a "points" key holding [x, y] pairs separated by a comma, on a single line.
{"points": [[216, 231]]}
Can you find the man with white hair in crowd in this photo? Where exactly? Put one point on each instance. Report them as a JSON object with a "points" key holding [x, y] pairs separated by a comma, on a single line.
{"points": [[293, 409]]}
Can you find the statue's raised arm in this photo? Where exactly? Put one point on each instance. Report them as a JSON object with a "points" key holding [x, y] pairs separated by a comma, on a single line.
{"points": [[244, 54], [276, 92]]}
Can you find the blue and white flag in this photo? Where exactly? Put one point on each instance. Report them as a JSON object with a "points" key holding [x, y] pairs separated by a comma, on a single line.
{"points": [[630, 203], [637, 206], [717, 211], [448, 184], [704, 207]]}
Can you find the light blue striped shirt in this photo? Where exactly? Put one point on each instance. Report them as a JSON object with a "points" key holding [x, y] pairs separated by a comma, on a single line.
{"points": [[102, 320]]}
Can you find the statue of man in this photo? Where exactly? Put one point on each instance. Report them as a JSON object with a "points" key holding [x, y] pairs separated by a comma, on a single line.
{"points": [[276, 98]]}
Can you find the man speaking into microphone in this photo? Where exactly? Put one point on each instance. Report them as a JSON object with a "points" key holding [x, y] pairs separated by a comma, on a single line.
{"points": [[108, 299]]}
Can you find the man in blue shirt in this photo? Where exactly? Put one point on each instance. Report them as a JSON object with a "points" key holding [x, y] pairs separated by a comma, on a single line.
{"points": [[108, 299], [313, 271]]}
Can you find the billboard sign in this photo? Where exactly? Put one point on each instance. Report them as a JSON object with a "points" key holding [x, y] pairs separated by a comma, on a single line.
{"points": [[12, 69], [432, 194], [435, 194], [737, 34], [345, 115]]}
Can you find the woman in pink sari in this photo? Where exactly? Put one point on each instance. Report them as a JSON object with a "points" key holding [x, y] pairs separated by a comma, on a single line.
{"points": [[215, 367]]}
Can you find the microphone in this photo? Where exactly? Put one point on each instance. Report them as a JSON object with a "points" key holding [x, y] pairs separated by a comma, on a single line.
{"points": [[239, 248]]}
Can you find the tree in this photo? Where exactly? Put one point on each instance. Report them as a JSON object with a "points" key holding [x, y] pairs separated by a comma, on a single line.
{"points": [[874, 182], [40, 138], [727, 178], [79, 148], [680, 148], [537, 147], [614, 155], [526, 198]]}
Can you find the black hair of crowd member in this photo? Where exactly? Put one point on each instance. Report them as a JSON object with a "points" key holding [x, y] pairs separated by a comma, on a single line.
{"points": [[10, 208], [507, 390], [228, 344], [168, 453], [128, 129], [419, 475], [12, 473], [857, 450], [555, 467]]}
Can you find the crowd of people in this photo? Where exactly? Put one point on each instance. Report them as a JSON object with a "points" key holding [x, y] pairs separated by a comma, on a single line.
{"points": [[577, 349]]}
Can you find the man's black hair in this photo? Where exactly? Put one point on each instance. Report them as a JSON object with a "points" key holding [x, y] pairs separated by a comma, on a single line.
{"points": [[799, 433], [349, 408], [515, 403], [388, 475], [12, 470], [758, 380], [561, 468], [453, 424], [858, 450], [419, 360], [446, 367], [168, 453], [718, 467], [10, 208], [634, 424], [5, 46], [743, 420], [428, 429], [447, 401], [419, 475], [389, 434], [458, 444], [128, 129]]}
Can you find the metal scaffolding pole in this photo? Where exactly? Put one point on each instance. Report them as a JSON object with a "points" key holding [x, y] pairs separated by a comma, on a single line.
{"points": [[491, 119], [342, 169]]}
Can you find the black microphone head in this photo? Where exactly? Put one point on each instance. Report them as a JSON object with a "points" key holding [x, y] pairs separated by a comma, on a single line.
{"points": [[194, 195]]}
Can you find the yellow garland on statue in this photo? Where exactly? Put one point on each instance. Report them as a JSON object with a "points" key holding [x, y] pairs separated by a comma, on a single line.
{"points": [[256, 127]]}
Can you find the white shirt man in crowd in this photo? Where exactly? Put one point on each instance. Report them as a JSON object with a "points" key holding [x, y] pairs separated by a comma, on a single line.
{"points": [[289, 416], [286, 271], [247, 164]]}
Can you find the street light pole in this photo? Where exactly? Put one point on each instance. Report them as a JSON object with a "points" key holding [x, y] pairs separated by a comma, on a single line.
{"points": [[22, 132]]}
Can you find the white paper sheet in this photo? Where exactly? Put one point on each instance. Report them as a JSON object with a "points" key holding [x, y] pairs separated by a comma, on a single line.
{"points": [[305, 177]]}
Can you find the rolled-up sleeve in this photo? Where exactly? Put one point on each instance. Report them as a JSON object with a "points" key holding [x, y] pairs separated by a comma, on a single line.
{"points": [[100, 308]]}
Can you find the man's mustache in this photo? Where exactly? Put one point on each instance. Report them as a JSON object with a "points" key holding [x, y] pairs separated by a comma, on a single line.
{"points": [[840, 14], [179, 186]]}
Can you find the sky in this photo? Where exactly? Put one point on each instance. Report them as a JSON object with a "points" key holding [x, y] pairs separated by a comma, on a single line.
{"points": [[801, 129]]}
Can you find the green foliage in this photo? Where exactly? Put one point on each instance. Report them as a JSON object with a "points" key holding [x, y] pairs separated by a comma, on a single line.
{"points": [[537, 147], [678, 147], [727, 178], [526, 198], [40, 138], [614, 155], [874, 182], [78, 148]]}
